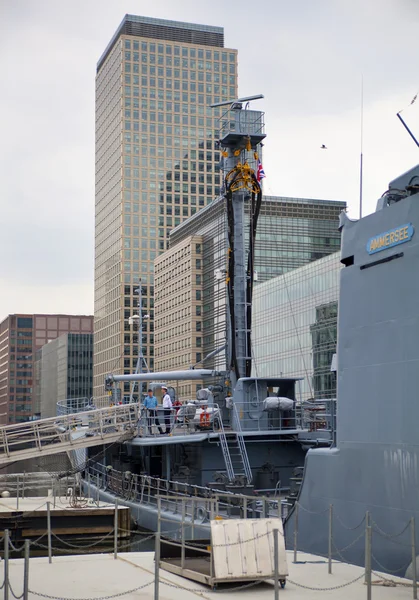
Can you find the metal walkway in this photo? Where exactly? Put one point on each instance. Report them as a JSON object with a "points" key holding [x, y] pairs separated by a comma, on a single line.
{"points": [[68, 432]]}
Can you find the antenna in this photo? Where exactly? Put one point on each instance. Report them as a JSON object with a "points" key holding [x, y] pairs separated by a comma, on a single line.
{"points": [[407, 128], [238, 100], [361, 159]]}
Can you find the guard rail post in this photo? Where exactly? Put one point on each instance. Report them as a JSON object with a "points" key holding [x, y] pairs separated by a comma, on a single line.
{"points": [[295, 532], [115, 531], [6, 564], [414, 574], [330, 537], [193, 518], [17, 491], [367, 523], [49, 532], [26, 571], [368, 549], [156, 567], [276, 560], [182, 555]]}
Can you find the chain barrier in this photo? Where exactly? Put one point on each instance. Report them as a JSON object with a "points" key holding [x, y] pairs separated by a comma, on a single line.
{"points": [[327, 589], [312, 512], [339, 550], [137, 589], [394, 583], [14, 548], [13, 594], [23, 515], [392, 538], [204, 591], [345, 526], [81, 546], [387, 570]]}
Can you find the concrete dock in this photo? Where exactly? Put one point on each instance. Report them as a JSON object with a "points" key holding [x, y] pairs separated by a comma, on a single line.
{"points": [[100, 575]]}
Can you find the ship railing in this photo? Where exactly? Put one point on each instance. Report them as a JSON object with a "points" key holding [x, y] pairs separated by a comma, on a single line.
{"points": [[316, 415], [74, 405], [186, 419], [146, 490], [67, 432]]}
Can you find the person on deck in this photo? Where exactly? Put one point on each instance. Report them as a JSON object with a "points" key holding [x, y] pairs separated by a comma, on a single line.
{"points": [[167, 408], [150, 404]]}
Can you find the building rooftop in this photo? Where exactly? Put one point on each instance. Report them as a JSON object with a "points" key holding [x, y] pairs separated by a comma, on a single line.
{"points": [[163, 29]]}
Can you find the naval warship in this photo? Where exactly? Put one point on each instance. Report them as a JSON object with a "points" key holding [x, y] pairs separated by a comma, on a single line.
{"points": [[371, 473], [241, 435]]}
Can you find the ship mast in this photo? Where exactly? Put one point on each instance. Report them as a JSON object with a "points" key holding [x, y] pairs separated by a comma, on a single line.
{"points": [[241, 131]]}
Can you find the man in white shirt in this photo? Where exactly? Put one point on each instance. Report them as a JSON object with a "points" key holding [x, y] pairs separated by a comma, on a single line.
{"points": [[167, 408]]}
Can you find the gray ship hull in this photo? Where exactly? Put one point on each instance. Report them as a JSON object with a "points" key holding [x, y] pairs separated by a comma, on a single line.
{"points": [[375, 465]]}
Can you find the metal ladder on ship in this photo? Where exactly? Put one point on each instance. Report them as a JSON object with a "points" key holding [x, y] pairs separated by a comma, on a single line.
{"points": [[234, 449]]}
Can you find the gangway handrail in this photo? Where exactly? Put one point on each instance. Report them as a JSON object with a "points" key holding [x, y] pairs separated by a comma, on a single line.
{"points": [[52, 435], [242, 445], [225, 448]]}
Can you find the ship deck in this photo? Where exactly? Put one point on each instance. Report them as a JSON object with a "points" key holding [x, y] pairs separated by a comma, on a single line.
{"points": [[96, 575]]}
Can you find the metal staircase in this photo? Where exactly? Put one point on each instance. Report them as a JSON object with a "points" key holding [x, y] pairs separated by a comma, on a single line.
{"points": [[68, 432], [234, 450]]}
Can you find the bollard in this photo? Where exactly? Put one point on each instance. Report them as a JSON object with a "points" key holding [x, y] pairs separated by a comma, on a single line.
{"points": [[414, 574], [26, 571], [6, 564], [115, 531], [276, 561], [295, 532], [368, 540], [49, 532], [156, 567], [330, 537]]}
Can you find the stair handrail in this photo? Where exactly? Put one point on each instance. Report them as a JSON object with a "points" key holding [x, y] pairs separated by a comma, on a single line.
{"points": [[224, 447], [242, 445]]}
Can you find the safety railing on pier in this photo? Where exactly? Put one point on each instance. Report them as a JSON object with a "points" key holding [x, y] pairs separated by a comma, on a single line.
{"points": [[68, 432]]}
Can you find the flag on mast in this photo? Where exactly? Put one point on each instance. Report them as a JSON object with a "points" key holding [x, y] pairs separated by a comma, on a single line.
{"points": [[260, 173]]}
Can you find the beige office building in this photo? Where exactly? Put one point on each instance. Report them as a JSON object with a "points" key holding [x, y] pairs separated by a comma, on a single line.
{"points": [[156, 165], [178, 311]]}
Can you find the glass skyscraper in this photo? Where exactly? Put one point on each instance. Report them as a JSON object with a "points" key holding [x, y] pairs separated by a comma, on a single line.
{"points": [[156, 165]]}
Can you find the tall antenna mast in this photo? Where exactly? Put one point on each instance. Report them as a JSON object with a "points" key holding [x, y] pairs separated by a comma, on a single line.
{"points": [[361, 159]]}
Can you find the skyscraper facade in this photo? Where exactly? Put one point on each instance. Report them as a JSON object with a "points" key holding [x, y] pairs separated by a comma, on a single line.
{"points": [[190, 284], [21, 335], [156, 165]]}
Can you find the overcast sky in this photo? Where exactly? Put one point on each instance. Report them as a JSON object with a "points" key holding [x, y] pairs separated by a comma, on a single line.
{"points": [[306, 56]]}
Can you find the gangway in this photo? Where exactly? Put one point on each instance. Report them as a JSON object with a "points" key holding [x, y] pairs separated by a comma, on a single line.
{"points": [[67, 432]]}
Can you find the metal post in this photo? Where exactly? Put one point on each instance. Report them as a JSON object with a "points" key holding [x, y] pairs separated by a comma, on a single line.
{"points": [[156, 567], [182, 556], [368, 539], [158, 515], [115, 531], [264, 507], [295, 532], [23, 485], [367, 523], [49, 532], [17, 492], [276, 561], [193, 518], [414, 574], [330, 537], [6, 564], [26, 571], [245, 507], [97, 489], [88, 488]]}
